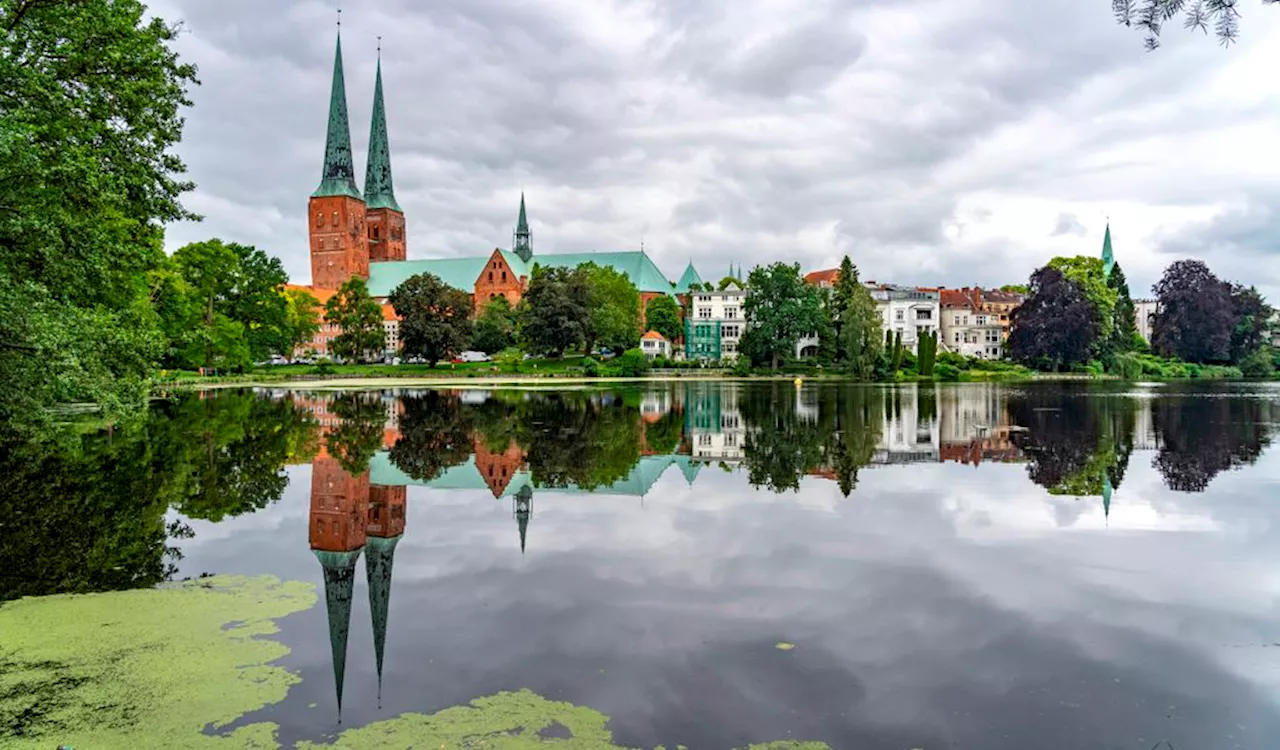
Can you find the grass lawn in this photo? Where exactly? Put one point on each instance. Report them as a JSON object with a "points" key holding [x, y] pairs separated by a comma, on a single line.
{"points": [[537, 366]]}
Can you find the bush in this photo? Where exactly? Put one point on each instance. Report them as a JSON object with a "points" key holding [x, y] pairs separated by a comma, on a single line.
{"points": [[1258, 365], [590, 368], [632, 364], [1127, 366], [742, 366], [323, 367], [946, 372], [958, 361]]}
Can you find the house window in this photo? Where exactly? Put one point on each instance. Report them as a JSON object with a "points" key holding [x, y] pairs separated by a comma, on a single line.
{"points": [[899, 315], [704, 313], [957, 337], [924, 314], [957, 320], [504, 276], [704, 440], [731, 312]]}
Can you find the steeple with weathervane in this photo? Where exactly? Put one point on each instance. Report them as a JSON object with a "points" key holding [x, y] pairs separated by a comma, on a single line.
{"points": [[336, 211], [1108, 259], [522, 240], [383, 216]]}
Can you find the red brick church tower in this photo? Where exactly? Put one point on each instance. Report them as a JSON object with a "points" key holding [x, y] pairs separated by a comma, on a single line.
{"points": [[336, 211], [382, 214]]}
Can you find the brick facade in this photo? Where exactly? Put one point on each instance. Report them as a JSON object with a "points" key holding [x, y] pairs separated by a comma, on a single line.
{"points": [[339, 243], [386, 234], [498, 279]]}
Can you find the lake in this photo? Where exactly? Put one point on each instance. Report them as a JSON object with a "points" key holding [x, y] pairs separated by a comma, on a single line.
{"points": [[1058, 565]]}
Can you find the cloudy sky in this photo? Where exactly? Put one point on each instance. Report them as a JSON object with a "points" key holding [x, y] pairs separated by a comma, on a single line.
{"points": [[954, 142]]}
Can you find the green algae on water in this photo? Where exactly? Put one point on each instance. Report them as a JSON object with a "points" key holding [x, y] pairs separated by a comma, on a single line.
{"points": [[506, 721], [148, 668]]}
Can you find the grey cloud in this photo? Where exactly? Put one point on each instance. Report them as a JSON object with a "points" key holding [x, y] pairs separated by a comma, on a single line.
{"points": [[1068, 224], [729, 131]]}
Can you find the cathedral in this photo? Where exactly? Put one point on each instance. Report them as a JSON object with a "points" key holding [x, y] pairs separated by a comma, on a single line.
{"points": [[354, 233]]}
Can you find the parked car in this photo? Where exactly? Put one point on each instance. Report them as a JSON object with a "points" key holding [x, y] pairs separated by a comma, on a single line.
{"points": [[471, 357]]}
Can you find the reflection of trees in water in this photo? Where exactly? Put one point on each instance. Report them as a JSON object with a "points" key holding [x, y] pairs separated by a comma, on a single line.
{"points": [[1076, 443], [783, 445], [91, 515], [357, 436], [573, 439], [1203, 436], [435, 434]]}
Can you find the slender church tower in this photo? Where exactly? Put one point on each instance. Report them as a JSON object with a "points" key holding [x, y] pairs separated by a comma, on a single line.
{"points": [[385, 528], [1108, 258], [382, 215], [522, 240], [336, 212]]}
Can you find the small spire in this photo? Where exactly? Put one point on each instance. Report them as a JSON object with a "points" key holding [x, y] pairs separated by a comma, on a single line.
{"points": [[1108, 258], [522, 241]]}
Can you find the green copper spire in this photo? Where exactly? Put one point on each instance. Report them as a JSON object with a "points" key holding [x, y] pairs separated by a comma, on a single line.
{"points": [[1108, 260], [522, 243], [378, 189], [380, 556], [339, 583], [339, 176]]}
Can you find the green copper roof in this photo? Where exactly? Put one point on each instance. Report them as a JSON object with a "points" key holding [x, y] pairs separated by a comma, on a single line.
{"points": [[1108, 259], [688, 279], [378, 189], [461, 273], [339, 175]]}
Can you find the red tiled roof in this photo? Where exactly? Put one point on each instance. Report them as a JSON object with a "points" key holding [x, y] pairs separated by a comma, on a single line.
{"points": [[654, 335], [828, 275]]}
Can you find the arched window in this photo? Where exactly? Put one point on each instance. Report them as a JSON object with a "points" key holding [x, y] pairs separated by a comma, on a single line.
{"points": [[504, 276], [491, 277]]}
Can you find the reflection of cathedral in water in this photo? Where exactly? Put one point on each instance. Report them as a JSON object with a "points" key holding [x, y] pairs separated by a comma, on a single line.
{"points": [[689, 427]]}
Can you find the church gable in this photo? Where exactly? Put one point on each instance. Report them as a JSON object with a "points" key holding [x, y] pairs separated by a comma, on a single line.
{"points": [[498, 278]]}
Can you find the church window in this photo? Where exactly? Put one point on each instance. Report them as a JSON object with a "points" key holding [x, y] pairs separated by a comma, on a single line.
{"points": [[319, 219], [504, 276], [491, 277], [335, 218]]}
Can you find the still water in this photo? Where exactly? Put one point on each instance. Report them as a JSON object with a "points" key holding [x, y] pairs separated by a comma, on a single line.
{"points": [[972, 566]]}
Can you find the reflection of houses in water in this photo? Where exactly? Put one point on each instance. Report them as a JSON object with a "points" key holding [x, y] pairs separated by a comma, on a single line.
{"points": [[974, 425], [713, 426], [351, 515], [910, 433]]}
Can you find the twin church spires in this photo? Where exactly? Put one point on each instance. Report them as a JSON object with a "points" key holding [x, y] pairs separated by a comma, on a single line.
{"points": [[347, 230]]}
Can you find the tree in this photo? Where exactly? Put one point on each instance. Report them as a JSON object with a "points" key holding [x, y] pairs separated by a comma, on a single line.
{"points": [[218, 340], [495, 327], [256, 300], [1151, 15], [663, 315], [553, 312], [303, 318], [1252, 314], [358, 434], [90, 100], [435, 318], [1056, 326], [895, 362], [435, 434], [780, 309], [1016, 288], [359, 318], [1195, 315], [856, 322], [1090, 277], [1124, 324], [928, 353], [613, 309]]}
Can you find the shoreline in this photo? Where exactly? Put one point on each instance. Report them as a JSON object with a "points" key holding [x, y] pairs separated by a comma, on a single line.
{"points": [[541, 381]]}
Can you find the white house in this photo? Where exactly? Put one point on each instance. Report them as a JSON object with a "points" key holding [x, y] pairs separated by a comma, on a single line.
{"points": [[1145, 312], [654, 344], [716, 322], [907, 310]]}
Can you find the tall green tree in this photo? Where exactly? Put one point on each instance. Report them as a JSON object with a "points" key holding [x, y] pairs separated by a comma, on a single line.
{"points": [[553, 312], [217, 338], [435, 318], [303, 318], [1124, 324], [1252, 328], [780, 310], [663, 315], [90, 102], [495, 326], [856, 322], [359, 317], [613, 309], [256, 300]]}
